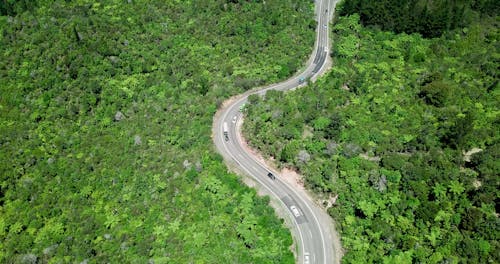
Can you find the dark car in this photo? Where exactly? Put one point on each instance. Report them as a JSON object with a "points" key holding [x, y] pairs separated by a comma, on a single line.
{"points": [[271, 176]]}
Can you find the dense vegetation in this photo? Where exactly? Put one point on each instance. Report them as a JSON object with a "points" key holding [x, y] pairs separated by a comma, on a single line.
{"points": [[429, 18], [388, 131], [105, 120], [12, 8]]}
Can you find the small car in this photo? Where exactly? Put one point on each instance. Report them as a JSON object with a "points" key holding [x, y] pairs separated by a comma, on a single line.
{"points": [[295, 211], [271, 176]]}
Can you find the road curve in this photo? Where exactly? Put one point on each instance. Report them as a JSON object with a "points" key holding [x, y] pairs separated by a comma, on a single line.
{"points": [[312, 227]]}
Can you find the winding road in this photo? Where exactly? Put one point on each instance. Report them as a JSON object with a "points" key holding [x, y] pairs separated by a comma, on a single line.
{"points": [[312, 228]]}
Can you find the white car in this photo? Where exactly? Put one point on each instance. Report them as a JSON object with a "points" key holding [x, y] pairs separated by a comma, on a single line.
{"points": [[295, 211], [234, 119]]}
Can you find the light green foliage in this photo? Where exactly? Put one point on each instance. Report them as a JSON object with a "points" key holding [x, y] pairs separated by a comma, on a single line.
{"points": [[387, 130], [106, 110]]}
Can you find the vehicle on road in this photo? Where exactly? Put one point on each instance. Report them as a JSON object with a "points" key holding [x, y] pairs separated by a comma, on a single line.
{"points": [[226, 131], [306, 258], [295, 211], [321, 245], [234, 119]]}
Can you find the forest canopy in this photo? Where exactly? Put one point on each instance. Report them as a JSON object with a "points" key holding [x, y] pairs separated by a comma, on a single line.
{"points": [[106, 110], [429, 18], [403, 134]]}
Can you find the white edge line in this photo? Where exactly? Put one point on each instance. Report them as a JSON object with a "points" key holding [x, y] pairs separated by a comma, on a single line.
{"points": [[275, 86], [265, 186]]}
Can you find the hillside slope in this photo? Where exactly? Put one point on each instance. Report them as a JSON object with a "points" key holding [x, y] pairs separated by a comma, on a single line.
{"points": [[402, 136], [105, 117]]}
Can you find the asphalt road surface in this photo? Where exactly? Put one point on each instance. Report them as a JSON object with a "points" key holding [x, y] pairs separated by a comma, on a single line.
{"points": [[312, 227]]}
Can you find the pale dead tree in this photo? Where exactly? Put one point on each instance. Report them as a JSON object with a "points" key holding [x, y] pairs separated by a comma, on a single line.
{"points": [[303, 156], [137, 140]]}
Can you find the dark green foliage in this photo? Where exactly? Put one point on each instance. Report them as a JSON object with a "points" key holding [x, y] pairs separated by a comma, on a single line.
{"points": [[106, 110], [388, 131], [490, 7], [14, 7], [429, 18]]}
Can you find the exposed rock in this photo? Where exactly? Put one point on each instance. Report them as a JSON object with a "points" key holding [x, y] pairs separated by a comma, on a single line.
{"points": [[119, 116], [137, 140]]}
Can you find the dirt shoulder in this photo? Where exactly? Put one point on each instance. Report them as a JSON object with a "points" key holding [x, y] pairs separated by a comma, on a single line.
{"points": [[296, 181]]}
